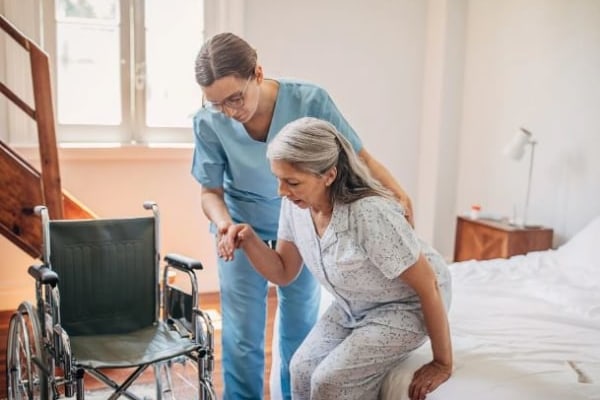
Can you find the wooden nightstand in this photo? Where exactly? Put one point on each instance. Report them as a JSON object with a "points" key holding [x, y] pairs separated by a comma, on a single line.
{"points": [[482, 239]]}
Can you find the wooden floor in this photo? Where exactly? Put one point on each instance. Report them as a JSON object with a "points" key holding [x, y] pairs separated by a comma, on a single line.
{"points": [[208, 301]]}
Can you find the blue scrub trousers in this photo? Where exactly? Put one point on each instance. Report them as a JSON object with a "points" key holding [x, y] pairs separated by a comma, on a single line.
{"points": [[244, 308]]}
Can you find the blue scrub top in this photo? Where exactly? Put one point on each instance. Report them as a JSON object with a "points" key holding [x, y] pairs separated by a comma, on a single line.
{"points": [[225, 156]]}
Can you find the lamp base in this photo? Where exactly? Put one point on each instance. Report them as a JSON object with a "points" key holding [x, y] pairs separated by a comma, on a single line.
{"points": [[533, 226], [521, 225]]}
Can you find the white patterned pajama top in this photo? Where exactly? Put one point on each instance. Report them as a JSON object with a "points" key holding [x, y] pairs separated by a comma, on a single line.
{"points": [[375, 319]]}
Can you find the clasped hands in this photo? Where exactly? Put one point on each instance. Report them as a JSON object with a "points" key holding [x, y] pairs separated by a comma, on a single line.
{"points": [[230, 237]]}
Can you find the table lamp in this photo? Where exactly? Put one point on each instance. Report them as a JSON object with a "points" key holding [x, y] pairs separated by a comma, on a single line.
{"points": [[515, 149]]}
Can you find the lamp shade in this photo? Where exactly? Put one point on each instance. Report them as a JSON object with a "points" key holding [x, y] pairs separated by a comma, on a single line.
{"points": [[516, 147]]}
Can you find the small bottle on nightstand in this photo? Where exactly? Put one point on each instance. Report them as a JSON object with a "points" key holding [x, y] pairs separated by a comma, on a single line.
{"points": [[474, 213]]}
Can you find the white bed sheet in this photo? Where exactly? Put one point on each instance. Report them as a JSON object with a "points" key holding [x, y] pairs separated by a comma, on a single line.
{"points": [[527, 328]]}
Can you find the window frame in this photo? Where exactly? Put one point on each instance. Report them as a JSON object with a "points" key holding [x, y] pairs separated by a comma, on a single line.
{"points": [[132, 129], [219, 16]]}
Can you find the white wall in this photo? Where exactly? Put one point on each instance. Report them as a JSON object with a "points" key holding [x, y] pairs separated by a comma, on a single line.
{"points": [[535, 64], [435, 88], [368, 55], [440, 123]]}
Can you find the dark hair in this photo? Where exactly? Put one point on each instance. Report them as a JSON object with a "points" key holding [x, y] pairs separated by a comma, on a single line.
{"points": [[223, 55], [313, 145]]}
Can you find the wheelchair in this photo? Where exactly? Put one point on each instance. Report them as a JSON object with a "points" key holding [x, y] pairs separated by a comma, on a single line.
{"points": [[101, 305]]}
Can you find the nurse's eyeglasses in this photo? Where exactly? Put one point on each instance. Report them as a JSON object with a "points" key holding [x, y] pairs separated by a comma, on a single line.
{"points": [[233, 102]]}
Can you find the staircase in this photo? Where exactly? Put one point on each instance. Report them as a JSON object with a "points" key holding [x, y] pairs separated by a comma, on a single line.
{"points": [[22, 187]]}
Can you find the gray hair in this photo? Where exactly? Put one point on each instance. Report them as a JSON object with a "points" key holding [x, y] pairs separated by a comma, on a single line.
{"points": [[223, 55], [314, 146]]}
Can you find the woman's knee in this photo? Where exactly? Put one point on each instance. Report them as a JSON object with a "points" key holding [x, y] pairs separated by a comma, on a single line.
{"points": [[324, 377], [297, 364], [301, 369]]}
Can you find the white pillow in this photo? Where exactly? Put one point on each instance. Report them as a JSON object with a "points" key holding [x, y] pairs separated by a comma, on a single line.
{"points": [[582, 249]]}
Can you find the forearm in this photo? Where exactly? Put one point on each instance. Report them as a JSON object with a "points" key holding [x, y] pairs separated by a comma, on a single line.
{"points": [[422, 278], [436, 323], [265, 260], [214, 207], [383, 175]]}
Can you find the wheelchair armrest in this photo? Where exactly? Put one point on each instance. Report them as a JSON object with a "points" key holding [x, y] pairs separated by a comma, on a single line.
{"points": [[182, 262], [43, 274]]}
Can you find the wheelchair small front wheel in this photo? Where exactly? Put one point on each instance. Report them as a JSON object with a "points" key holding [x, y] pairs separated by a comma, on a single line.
{"points": [[24, 358]]}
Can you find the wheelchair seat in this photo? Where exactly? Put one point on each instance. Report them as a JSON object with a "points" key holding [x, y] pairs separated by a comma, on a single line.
{"points": [[143, 346], [103, 307]]}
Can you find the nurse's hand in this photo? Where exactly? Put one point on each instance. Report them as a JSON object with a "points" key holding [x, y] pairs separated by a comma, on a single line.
{"points": [[230, 240], [408, 210], [222, 228], [222, 240]]}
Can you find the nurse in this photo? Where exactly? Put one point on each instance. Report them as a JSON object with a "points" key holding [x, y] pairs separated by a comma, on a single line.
{"points": [[242, 112]]}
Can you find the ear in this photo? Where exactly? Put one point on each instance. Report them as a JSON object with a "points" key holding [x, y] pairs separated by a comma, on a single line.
{"points": [[259, 74], [330, 176]]}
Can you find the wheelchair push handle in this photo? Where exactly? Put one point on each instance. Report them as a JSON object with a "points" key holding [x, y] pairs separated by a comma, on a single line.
{"points": [[42, 211], [149, 205], [43, 274]]}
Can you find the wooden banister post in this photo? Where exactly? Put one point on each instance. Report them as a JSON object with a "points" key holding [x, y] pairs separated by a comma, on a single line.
{"points": [[44, 116]]}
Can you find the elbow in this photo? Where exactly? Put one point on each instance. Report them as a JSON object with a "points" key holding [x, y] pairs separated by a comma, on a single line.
{"points": [[286, 276]]}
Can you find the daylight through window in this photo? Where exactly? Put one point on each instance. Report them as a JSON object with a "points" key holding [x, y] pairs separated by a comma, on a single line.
{"points": [[124, 69]]}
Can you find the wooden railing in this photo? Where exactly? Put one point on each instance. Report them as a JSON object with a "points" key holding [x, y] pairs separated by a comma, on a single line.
{"points": [[22, 187]]}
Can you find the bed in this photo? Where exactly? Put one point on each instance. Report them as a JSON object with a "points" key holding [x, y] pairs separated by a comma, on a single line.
{"points": [[524, 328]]}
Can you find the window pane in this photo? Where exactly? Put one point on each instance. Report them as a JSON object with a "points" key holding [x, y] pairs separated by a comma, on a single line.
{"points": [[88, 62], [174, 35]]}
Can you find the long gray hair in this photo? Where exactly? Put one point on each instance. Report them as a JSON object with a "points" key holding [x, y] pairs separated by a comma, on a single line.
{"points": [[313, 145], [223, 55]]}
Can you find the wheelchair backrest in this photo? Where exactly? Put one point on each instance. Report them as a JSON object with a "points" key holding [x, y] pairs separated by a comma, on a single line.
{"points": [[107, 272]]}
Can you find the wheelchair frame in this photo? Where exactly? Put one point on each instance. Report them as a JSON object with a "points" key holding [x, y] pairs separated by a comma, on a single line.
{"points": [[40, 361]]}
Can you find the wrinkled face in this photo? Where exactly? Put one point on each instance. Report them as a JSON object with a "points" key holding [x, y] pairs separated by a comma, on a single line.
{"points": [[233, 96], [304, 189]]}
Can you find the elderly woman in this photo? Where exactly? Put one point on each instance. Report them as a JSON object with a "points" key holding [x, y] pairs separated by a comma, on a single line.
{"points": [[391, 290]]}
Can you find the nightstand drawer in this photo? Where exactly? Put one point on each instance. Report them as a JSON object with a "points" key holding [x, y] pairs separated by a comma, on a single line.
{"points": [[481, 239]]}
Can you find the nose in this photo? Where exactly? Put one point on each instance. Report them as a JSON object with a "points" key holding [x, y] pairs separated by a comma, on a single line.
{"points": [[282, 189], [227, 111]]}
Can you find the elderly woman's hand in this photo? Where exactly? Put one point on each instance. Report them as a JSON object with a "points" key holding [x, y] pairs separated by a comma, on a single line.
{"points": [[427, 378], [230, 239]]}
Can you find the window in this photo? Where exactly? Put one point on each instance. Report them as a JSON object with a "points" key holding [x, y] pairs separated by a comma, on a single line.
{"points": [[124, 69]]}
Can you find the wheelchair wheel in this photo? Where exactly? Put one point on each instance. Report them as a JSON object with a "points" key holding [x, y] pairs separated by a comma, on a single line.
{"points": [[24, 359]]}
